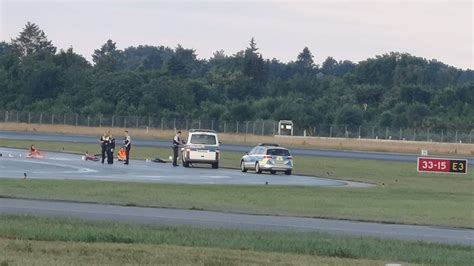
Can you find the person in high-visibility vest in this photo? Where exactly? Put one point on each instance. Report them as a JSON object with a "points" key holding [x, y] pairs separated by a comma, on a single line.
{"points": [[128, 146], [121, 156]]}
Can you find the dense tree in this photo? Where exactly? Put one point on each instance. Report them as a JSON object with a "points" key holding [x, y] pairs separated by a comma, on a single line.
{"points": [[390, 90]]}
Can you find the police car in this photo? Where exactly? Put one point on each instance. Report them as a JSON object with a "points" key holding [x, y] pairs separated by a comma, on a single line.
{"points": [[202, 146], [267, 157]]}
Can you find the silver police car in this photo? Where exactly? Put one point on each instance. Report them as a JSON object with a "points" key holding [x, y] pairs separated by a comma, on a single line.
{"points": [[267, 157]]}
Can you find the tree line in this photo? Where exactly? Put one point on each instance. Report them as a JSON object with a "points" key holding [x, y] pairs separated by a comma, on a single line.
{"points": [[390, 90]]}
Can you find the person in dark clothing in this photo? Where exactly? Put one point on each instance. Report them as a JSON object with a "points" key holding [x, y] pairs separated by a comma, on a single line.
{"points": [[104, 141], [128, 146], [177, 141], [110, 150]]}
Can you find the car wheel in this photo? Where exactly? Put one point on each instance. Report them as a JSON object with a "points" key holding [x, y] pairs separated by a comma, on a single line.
{"points": [[288, 172], [242, 167], [272, 172], [215, 165], [257, 168]]}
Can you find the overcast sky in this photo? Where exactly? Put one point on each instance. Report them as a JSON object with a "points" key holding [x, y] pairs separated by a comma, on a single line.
{"points": [[353, 30]]}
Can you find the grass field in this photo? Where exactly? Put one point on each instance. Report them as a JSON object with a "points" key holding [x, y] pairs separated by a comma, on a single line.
{"points": [[22, 240], [402, 194], [413, 147], [27, 252]]}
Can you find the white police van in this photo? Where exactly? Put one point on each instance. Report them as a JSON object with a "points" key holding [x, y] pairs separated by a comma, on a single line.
{"points": [[202, 146]]}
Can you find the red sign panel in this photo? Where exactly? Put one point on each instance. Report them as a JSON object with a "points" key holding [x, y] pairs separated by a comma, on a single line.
{"points": [[438, 165]]}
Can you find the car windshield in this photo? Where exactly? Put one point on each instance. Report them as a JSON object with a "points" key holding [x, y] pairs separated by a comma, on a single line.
{"points": [[278, 152], [203, 139]]}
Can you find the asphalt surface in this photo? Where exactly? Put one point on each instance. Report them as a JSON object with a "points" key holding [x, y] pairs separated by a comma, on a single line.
{"points": [[13, 164], [224, 147], [214, 220]]}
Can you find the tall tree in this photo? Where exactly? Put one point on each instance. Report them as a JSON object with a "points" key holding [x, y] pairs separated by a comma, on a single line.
{"points": [[183, 62], [329, 65], [32, 40], [254, 66], [107, 58], [304, 60]]}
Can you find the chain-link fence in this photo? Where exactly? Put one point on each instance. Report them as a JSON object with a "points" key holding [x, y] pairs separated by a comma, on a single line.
{"points": [[259, 127]]}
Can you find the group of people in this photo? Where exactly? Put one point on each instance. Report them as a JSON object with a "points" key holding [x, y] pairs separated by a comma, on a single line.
{"points": [[107, 144]]}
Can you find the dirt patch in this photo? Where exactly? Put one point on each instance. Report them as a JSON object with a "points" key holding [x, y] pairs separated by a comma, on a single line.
{"points": [[395, 146]]}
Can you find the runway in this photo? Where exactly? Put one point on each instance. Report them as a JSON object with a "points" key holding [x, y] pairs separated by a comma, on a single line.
{"points": [[13, 164], [216, 220], [224, 147]]}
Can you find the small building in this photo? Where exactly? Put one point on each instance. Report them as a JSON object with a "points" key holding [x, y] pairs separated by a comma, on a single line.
{"points": [[285, 127]]}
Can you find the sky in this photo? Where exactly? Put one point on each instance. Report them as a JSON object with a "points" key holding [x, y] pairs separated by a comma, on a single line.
{"points": [[346, 30]]}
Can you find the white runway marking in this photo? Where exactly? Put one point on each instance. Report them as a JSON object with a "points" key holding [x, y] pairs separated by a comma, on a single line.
{"points": [[217, 176]]}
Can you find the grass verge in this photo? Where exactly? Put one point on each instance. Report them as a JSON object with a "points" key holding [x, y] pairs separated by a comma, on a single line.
{"points": [[403, 195], [27, 252], [298, 246]]}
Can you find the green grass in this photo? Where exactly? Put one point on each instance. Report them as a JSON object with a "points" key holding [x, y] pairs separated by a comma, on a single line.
{"points": [[403, 195], [313, 244], [28, 252]]}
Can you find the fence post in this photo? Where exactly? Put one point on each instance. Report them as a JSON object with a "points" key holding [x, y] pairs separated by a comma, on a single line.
{"points": [[253, 131], [237, 127], [414, 134], [456, 137], [442, 133], [17, 118], [88, 121], [360, 132], [330, 131], [199, 123], [29, 117], [41, 118], [400, 138], [263, 128], [52, 119], [247, 128], [113, 121], [225, 124], [100, 120], [137, 122], [373, 132], [386, 132], [427, 134], [212, 124], [124, 122], [149, 121], [162, 121], [64, 119], [77, 119], [470, 136]]}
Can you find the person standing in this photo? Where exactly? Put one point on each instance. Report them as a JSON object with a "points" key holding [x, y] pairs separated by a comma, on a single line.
{"points": [[128, 146], [110, 149], [104, 141], [177, 141]]}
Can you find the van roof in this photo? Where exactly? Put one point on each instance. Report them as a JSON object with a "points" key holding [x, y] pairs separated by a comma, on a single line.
{"points": [[202, 130]]}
